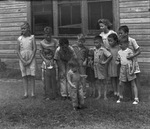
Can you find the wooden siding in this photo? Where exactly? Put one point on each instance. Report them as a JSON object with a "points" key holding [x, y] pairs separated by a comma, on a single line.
{"points": [[12, 15], [136, 15], [133, 13]]}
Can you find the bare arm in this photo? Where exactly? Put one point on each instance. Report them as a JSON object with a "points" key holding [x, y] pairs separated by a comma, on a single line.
{"points": [[137, 52], [69, 80], [34, 50], [18, 53], [107, 60]]}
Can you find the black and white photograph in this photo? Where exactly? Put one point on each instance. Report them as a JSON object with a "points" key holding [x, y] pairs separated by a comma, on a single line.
{"points": [[74, 64]]}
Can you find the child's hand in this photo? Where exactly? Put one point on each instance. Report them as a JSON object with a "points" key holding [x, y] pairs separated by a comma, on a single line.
{"points": [[28, 62], [129, 57], [103, 62], [47, 62], [73, 86], [84, 63], [83, 76]]}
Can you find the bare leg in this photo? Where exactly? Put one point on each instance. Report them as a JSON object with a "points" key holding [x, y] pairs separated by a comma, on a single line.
{"points": [[135, 90], [32, 82], [93, 88], [98, 85], [25, 84], [105, 89], [114, 85], [121, 86]]}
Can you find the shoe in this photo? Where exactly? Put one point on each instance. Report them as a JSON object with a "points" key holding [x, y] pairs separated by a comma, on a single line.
{"points": [[82, 107], [118, 101], [136, 101], [33, 96], [64, 97], [75, 108], [25, 97], [47, 99]]}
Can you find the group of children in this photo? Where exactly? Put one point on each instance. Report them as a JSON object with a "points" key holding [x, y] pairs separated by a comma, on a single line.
{"points": [[113, 57]]}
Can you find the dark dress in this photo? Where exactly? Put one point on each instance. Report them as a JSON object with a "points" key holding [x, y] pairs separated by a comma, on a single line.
{"points": [[90, 69]]}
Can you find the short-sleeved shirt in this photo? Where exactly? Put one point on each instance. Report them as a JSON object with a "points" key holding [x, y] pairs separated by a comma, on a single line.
{"points": [[122, 55], [133, 44]]}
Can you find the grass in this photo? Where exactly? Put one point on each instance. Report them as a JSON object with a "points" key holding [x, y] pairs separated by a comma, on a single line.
{"points": [[16, 113]]}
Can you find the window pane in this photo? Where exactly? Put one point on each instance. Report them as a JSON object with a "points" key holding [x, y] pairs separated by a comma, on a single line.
{"points": [[97, 10], [69, 18], [65, 15], [42, 16], [76, 14]]}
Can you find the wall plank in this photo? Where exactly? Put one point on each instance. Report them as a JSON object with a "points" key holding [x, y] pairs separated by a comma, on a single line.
{"points": [[134, 15], [5, 11], [14, 15], [133, 3], [135, 20], [22, 19], [11, 24], [133, 10]]}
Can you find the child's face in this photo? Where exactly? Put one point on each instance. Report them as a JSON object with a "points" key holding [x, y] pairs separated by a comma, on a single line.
{"points": [[80, 42], [98, 43], [122, 33], [123, 45], [111, 42], [47, 36], [102, 26], [23, 30]]}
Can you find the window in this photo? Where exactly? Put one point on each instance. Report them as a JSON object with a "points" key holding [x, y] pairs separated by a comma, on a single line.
{"points": [[42, 15], [69, 17], [98, 9], [72, 17]]}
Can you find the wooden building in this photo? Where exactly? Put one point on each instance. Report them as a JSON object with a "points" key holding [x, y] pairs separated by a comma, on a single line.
{"points": [[71, 17]]}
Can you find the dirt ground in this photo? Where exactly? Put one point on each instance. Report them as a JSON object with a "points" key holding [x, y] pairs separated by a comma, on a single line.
{"points": [[16, 113]]}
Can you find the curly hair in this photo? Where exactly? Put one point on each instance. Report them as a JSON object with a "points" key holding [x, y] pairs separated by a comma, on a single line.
{"points": [[106, 22]]}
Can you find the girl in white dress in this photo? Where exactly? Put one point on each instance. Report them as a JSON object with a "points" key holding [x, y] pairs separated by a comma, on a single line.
{"points": [[26, 50]]}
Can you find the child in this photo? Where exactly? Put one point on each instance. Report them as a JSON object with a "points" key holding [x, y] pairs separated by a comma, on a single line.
{"points": [[105, 27], [49, 67], [90, 71], [124, 30], [26, 50], [113, 70], [81, 53], [101, 58], [75, 81], [124, 70]]}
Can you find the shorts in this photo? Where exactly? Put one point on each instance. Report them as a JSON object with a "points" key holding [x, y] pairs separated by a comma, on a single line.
{"points": [[124, 74]]}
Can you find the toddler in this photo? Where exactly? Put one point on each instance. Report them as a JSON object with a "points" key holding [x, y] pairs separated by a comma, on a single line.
{"points": [[75, 81]]}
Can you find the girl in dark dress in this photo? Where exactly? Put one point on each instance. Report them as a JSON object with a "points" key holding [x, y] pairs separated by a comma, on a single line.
{"points": [[90, 71]]}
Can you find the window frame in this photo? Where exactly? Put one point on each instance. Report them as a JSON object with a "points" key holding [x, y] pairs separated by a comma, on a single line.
{"points": [[84, 16]]}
